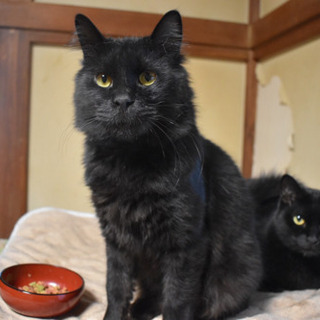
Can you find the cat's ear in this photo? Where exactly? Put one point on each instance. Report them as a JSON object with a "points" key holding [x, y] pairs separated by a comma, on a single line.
{"points": [[168, 32], [290, 190], [87, 32]]}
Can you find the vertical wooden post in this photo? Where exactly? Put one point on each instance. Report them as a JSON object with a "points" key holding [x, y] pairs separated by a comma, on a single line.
{"points": [[14, 124], [251, 100]]}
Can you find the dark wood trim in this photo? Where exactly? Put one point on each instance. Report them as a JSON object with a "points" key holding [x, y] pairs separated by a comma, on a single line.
{"points": [[195, 50], [14, 126], [254, 11], [50, 38], [293, 38], [289, 16], [290, 25], [220, 53], [250, 100], [249, 116], [60, 18]]}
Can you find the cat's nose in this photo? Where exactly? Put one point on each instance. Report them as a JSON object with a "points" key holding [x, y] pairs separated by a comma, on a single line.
{"points": [[313, 239], [123, 101]]}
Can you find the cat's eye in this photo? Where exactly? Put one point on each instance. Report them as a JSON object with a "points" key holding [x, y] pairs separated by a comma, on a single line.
{"points": [[147, 78], [298, 220], [103, 80]]}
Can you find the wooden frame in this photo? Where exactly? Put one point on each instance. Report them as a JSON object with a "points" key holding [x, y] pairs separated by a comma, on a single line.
{"points": [[24, 22]]}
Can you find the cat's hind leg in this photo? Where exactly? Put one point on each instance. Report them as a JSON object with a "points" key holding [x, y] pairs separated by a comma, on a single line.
{"points": [[227, 289], [182, 282]]}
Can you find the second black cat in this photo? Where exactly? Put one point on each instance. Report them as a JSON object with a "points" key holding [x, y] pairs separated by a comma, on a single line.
{"points": [[288, 227]]}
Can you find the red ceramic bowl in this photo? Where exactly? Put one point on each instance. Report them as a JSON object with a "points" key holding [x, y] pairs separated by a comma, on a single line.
{"points": [[35, 304]]}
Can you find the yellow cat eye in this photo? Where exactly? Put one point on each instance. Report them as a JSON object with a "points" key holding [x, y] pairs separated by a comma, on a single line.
{"points": [[103, 80], [147, 78], [298, 220]]}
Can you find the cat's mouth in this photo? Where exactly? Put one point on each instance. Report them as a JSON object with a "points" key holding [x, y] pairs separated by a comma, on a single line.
{"points": [[122, 125], [310, 251]]}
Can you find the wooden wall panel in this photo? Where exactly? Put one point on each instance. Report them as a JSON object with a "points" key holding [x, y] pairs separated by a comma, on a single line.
{"points": [[251, 100], [250, 116], [287, 17], [216, 52], [58, 18], [306, 32], [14, 122], [288, 26]]}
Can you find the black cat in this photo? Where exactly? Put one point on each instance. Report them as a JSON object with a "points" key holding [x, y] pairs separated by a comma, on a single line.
{"points": [[288, 226], [173, 208]]}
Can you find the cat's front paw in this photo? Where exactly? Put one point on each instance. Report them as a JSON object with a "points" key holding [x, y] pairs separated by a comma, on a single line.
{"points": [[109, 316], [144, 309]]}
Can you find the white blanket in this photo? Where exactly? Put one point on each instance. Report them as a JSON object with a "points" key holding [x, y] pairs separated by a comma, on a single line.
{"points": [[73, 240]]}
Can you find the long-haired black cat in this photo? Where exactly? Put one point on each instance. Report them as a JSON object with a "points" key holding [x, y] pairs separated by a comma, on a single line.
{"points": [[288, 226], [175, 213]]}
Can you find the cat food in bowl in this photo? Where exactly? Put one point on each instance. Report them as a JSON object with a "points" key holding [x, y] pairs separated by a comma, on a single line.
{"points": [[40, 290]]}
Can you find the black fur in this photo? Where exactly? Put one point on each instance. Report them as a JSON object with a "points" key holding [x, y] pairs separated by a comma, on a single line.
{"points": [[291, 252], [173, 207]]}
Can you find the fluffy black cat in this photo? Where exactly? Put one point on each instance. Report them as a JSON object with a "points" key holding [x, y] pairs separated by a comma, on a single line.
{"points": [[173, 208], [288, 226]]}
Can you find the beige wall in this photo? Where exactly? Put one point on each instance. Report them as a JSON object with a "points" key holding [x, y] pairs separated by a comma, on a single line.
{"points": [[219, 96], [55, 170], [55, 152], [299, 73]]}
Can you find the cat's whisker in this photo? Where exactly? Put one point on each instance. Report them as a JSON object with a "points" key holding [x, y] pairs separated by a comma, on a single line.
{"points": [[167, 120], [157, 125], [65, 136], [198, 151], [88, 121], [160, 142], [177, 159]]}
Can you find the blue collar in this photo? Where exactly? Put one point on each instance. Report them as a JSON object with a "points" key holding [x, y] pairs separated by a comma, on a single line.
{"points": [[197, 182]]}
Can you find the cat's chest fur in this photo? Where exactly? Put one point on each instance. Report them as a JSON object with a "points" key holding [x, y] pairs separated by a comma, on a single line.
{"points": [[142, 197]]}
